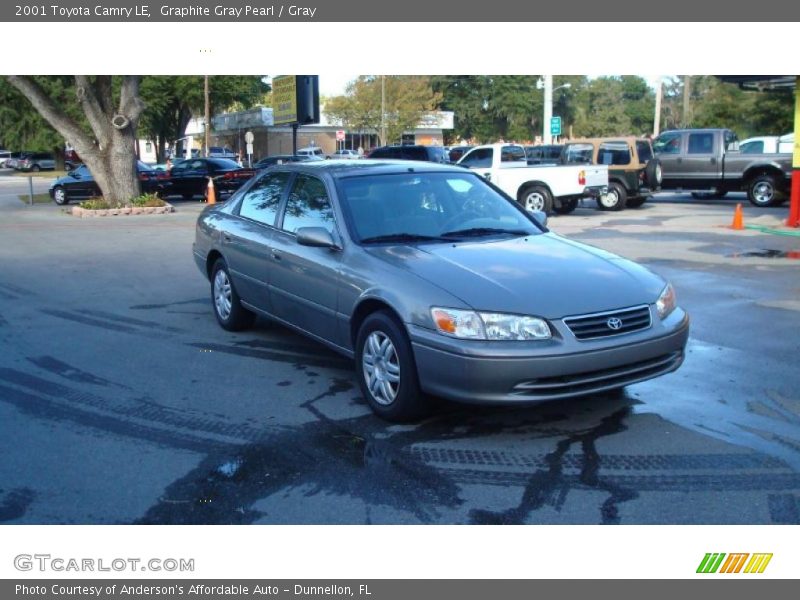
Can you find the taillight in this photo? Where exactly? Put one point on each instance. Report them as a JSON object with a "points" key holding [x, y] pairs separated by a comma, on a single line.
{"points": [[228, 175], [144, 177], [582, 178]]}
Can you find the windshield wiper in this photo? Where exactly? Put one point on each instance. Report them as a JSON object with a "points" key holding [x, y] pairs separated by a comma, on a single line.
{"points": [[481, 231], [402, 237]]}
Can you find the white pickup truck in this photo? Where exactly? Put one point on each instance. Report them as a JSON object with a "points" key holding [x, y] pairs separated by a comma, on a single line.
{"points": [[537, 187]]}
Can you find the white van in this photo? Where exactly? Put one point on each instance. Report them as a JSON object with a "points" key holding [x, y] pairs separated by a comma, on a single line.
{"points": [[311, 151]]}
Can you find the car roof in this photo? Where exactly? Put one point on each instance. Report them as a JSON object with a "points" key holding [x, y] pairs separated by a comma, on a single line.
{"points": [[350, 168]]}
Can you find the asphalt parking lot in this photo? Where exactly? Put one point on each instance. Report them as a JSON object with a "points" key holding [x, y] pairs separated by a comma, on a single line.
{"points": [[122, 401]]}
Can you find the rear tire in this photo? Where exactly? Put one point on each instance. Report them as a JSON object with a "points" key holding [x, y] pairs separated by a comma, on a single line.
{"points": [[653, 174], [763, 191], [228, 309], [566, 206], [386, 371], [35, 169], [536, 197], [615, 199]]}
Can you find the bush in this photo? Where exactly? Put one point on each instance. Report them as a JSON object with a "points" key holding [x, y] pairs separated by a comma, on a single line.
{"points": [[139, 201], [148, 200]]}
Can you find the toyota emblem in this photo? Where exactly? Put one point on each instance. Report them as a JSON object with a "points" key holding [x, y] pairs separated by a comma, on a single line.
{"points": [[614, 323]]}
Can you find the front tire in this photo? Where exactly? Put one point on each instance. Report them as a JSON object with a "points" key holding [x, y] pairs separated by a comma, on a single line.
{"points": [[536, 197], [60, 196], [386, 371], [763, 191], [228, 309], [35, 169], [615, 199]]}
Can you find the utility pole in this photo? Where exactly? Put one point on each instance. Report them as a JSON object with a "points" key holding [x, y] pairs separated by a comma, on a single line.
{"points": [[383, 110], [657, 116], [547, 138], [207, 127], [687, 100]]}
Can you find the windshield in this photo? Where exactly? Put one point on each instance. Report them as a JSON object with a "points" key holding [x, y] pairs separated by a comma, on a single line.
{"points": [[429, 207]]}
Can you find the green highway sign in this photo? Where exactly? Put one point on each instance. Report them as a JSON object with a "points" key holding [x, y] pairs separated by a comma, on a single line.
{"points": [[555, 125]]}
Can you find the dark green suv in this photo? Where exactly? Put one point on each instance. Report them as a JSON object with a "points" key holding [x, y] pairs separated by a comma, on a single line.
{"points": [[633, 173]]}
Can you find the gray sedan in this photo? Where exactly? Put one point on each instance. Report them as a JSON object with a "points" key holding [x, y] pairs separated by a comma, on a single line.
{"points": [[434, 282]]}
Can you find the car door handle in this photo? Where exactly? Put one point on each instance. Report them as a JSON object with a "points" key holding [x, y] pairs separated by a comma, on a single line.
{"points": [[226, 239], [713, 160], [276, 255], [679, 160]]}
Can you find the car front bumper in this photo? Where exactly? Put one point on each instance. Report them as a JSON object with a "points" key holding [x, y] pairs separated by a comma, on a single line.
{"points": [[529, 372]]}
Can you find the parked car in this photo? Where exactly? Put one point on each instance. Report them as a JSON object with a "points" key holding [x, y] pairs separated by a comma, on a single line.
{"points": [[37, 161], [411, 152], [4, 156], [708, 163], [311, 151], [536, 187], [633, 173], [346, 154], [221, 152], [434, 282], [456, 152], [768, 144], [279, 159], [546, 154], [79, 184], [189, 178], [13, 158]]}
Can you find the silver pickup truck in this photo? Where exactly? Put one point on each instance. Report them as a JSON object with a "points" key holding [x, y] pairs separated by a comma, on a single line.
{"points": [[707, 163]]}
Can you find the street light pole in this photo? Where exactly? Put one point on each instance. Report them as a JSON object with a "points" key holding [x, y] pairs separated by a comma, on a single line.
{"points": [[207, 141], [657, 116], [547, 137], [383, 110]]}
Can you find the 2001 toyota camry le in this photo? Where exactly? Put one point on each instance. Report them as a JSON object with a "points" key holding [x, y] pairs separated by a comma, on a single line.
{"points": [[434, 282]]}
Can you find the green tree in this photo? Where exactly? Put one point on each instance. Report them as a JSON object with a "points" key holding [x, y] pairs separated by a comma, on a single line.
{"points": [[172, 101], [104, 134], [407, 99], [601, 110]]}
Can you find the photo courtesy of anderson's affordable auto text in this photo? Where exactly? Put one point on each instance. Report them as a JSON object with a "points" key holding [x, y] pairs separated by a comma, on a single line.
{"points": [[235, 295]]}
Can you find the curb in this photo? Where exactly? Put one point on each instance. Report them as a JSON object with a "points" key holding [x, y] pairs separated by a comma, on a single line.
{"points": [[77, 211]]}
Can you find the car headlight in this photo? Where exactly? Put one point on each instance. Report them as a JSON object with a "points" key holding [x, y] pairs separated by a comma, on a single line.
{"points": [[666, 301], [467, 324]]}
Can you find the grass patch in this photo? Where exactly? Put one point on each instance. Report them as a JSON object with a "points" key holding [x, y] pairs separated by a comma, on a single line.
{"points": [[148, 200], [45, 174], [37, 198]]}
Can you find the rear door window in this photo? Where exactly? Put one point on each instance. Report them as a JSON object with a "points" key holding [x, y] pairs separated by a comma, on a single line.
{"points": [[613, 153], [701, 143], [752, 148], [261, 201], [512, 154]]}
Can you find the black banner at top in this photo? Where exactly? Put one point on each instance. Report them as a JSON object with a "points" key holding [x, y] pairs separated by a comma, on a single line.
{"points": [[497, 11]]}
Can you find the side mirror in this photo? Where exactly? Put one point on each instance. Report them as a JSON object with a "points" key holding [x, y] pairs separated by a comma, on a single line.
{"points": [[540, 216], [317, 237]]}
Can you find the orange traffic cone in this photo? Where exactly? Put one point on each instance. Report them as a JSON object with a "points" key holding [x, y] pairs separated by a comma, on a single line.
{"points": [[211, 195], [738, 218]]}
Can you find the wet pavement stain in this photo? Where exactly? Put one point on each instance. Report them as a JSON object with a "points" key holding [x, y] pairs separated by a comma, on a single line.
{"points": [[550, 486], [14, 503], [313, 358], [168, 304], [355, 457], [62, 369]]}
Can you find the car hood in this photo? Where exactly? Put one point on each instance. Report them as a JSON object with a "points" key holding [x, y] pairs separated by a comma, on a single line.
{"points": [[543, 275]]}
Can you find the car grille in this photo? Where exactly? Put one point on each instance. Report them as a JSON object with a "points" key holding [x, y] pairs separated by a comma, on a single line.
{"points": [[590, 381], [617, 322]]}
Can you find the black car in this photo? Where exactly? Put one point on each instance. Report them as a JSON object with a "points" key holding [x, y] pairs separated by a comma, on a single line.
{"points": [[434, 154], [280, 159], [79, 184], [189, 178]]}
